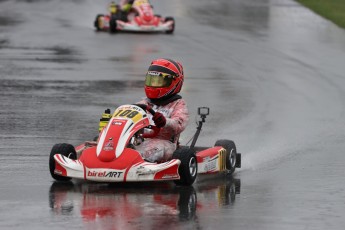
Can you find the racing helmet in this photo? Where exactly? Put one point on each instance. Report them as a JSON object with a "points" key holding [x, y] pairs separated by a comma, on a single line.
{"points": [[164, 79], [112, 7]]}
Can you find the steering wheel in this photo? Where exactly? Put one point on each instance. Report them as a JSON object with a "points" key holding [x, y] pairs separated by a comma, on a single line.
{"points": [[154, 128]]}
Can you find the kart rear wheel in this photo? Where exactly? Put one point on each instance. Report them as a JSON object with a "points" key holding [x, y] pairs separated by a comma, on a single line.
{"points": [[96, 23], [66, 150], [173, 25], [231, 154], [188, 168]]}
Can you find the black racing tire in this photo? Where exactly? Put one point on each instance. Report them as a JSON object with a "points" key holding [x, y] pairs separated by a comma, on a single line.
{"points": [[66, 150], [231, 154], [188, 168], [173, 26], [96, 23], [113, 25]]}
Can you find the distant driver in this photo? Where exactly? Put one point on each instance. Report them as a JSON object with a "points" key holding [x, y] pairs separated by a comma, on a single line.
{"points": [[125, 6]]}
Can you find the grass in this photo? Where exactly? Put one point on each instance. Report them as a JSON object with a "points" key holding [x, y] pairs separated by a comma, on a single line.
{"points": [[333, 10]]}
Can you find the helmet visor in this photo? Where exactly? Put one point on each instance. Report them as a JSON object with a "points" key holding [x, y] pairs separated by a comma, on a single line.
{"points": [[156, 79]]}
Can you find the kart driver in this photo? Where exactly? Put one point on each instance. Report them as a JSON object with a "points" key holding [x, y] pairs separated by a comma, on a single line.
{"points": [[164, 80], [125, 6]]}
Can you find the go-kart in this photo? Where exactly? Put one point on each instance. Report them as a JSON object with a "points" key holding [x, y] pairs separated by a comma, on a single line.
{"points": [[113, 156], [140, 18]]}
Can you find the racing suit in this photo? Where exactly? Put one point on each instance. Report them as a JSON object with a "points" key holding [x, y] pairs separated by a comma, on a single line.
{"points": [[160, 148]]}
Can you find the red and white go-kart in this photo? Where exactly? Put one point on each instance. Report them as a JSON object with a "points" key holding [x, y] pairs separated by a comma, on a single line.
{"points": [[140, 18], [114, 158]]}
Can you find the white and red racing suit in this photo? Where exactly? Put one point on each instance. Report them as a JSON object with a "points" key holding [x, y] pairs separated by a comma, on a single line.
{"points": [[160, 148]]}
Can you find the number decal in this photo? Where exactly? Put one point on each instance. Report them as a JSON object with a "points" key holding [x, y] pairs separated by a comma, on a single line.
{"points": [[132, 114], [125, 113], [115, 115], [129, 113]]}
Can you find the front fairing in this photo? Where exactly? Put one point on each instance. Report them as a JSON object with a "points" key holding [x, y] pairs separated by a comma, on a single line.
{"points": [[144, 13], [125, 122], [143, 7]]}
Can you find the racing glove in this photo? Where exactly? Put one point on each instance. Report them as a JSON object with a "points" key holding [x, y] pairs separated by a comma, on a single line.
{"points": [[104, 119], [159, 120]]}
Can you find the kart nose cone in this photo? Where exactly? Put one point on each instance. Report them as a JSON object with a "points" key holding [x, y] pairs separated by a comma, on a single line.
{"points": [[106, 156], [107, 152], [147, 17]]}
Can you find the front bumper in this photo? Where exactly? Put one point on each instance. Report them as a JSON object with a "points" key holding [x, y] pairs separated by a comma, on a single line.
{"points": [[143, 171], [144, 28]]}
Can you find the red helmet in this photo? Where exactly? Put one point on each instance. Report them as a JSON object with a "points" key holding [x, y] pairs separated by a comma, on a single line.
{"points": [[164, 79]]}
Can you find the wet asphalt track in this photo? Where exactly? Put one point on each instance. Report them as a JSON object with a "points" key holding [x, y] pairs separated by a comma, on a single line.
{"points": [[271, 71]]}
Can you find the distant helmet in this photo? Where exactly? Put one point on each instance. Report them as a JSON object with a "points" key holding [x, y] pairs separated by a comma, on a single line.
{"points": [[112, 7], [164, 79]]}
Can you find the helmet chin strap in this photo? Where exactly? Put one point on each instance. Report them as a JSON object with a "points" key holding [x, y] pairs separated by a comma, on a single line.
{"points": [[164, 100]]}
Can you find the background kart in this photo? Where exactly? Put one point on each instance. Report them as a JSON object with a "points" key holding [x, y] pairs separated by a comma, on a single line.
{"points": [[113, 157], [140, 18]]}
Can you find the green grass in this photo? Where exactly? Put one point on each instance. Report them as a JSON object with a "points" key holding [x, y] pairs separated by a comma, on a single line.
{"points": [[333, 10]]}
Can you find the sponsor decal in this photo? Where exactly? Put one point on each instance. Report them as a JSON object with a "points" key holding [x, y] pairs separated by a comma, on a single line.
{"points": [[167, 176], [116, 123], [127, 107], [57, 172], [109, 146], [110, 174], [211, 164], [165, 111], [133, 108], [153, 73]]}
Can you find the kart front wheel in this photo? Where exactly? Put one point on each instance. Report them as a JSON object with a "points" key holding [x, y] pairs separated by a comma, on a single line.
{"points": [[66, 150], [97, 22], [231, 154], [188, 168], [171, 30]]}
